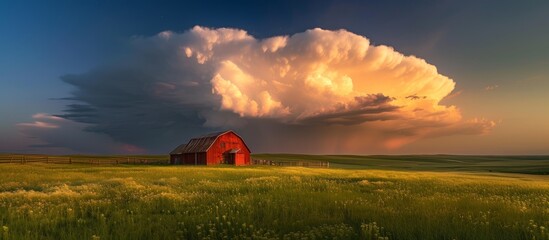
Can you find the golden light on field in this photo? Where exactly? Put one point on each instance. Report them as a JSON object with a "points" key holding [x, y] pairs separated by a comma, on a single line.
{"points": [[263, 202]]}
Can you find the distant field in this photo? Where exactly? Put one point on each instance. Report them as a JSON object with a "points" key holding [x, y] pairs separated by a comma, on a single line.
{"points": [[86, 201], [504, 164]]}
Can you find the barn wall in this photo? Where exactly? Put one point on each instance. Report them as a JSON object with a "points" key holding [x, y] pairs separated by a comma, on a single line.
{"points": [[189, 158], [202, 158], [225, 143]]}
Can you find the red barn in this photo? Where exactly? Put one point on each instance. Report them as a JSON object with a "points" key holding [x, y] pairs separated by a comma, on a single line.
{"points": [[222, 147]]}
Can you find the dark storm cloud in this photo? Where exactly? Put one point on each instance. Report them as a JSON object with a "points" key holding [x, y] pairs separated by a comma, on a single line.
{"points": [[135, 107], [152, 98]]}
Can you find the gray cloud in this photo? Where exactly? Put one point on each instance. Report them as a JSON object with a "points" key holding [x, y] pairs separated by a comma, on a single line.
{"points": [[52, 134], [303, 93], [373, 107]]}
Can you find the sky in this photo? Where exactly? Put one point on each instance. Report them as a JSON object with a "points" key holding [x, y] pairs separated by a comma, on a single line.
{"points": [[320, 77]]}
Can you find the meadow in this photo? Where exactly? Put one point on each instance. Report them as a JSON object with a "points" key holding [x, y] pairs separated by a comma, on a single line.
{"points": [[413, 200]]}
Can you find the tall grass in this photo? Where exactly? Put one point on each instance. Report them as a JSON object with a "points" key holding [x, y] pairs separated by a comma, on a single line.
{"points": [[39, 201]]}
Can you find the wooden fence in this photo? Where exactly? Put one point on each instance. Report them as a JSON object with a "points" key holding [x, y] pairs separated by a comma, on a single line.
{"points": [[23, 159], [312, 164]]}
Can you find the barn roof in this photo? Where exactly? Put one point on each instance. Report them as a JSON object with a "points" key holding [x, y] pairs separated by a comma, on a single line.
{"points": [[179, 149], [202, 144]]}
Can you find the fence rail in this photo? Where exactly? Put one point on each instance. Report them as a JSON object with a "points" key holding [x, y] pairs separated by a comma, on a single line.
{"points": [[23, 159], [312, 164]]}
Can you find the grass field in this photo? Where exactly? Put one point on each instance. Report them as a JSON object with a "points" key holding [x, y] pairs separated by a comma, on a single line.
{"points": [[415, 197]]}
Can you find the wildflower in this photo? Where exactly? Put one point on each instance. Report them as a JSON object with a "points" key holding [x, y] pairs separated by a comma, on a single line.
{"points": [[5, 229]]}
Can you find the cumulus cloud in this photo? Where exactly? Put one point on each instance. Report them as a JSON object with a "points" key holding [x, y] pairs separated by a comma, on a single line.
{"points": [[312, 73], [491, 87], [315, 91]]}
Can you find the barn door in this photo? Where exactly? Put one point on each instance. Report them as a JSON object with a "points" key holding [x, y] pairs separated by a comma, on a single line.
{"points": [[229, 158], [239, 159]]}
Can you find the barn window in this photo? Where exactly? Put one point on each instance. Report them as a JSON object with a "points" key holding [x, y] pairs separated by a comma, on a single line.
{"points": [[222, 145]]}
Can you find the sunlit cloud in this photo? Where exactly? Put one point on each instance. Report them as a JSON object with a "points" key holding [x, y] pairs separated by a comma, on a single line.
{"points": [[42, 120], [38, 124], [314, 73]]}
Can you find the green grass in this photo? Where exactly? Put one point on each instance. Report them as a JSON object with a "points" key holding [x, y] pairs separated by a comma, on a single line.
{"points": [[80, 201]]}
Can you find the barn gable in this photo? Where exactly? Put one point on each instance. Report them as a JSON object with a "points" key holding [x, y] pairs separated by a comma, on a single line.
{"points": [[203, 143]]}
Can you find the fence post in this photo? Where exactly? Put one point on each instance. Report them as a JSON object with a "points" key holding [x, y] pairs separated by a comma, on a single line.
{"points": [[70, 160]]}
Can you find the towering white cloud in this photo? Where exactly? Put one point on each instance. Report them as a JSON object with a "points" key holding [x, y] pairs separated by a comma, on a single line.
{"points": [[313, 73], [315, 91]]}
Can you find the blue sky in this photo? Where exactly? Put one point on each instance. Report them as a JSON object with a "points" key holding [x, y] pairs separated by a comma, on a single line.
{"points": [[496, 52]]}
